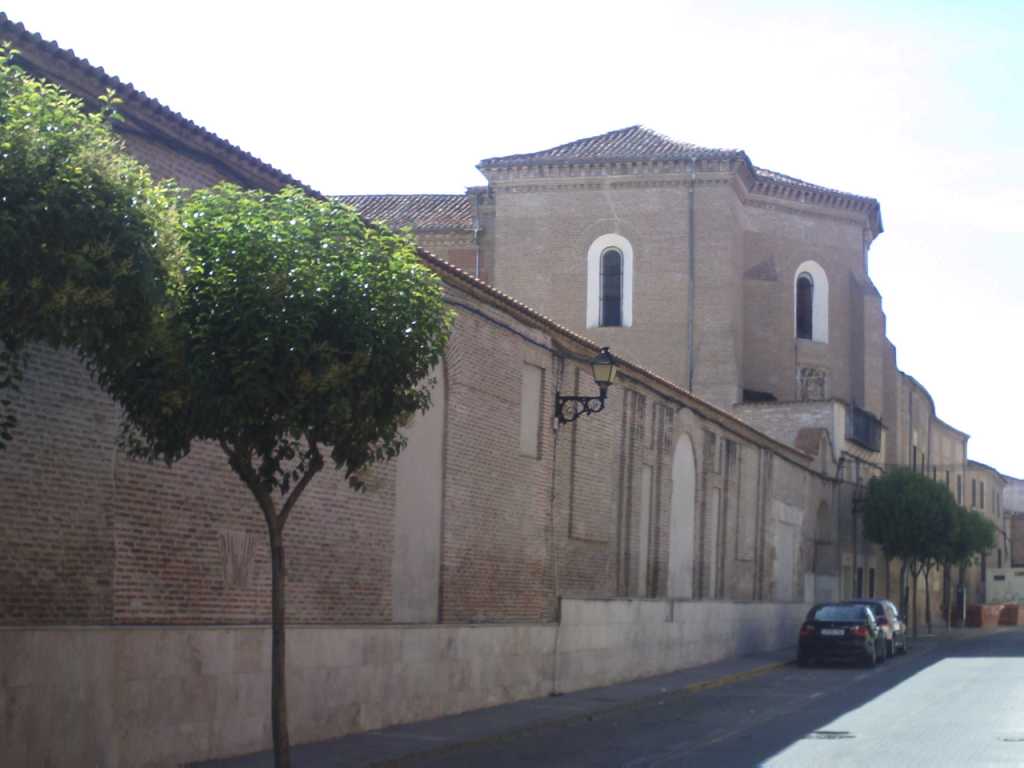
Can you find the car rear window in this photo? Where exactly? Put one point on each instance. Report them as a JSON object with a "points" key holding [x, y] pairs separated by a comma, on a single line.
{"points": [[876, 608], [840, 613]]}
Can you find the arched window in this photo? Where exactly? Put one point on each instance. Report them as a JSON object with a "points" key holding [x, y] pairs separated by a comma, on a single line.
{"points": [[610, 282], [810, 302], [611, 287], [804, 306]]}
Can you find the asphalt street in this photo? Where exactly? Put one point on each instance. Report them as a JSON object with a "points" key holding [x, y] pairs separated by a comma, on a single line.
{"points": [[953, 703]]}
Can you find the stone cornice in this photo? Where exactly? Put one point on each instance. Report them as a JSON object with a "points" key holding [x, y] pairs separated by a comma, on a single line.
{"points": [[763, 189]]}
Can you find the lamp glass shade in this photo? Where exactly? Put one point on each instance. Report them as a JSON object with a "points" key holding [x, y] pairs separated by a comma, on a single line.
{"points": [[603, 367]]}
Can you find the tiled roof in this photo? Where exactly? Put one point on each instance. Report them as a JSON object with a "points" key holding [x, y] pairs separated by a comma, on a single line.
{"points": [[633, 143], [16, 33], [137, 98], [424, 213], [763, 174]]}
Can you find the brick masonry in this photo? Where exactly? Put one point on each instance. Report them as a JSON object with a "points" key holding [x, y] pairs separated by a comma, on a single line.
{"points": [[97, 539]]}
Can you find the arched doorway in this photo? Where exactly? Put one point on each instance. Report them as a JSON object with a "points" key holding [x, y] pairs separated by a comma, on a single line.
{"points": [[681, 520]]}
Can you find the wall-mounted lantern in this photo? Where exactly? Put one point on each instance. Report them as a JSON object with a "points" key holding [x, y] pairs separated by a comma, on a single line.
{"points": [[571, 407]]}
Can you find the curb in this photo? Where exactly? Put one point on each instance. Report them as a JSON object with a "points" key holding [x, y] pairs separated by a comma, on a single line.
{"points": [[582, 717]]}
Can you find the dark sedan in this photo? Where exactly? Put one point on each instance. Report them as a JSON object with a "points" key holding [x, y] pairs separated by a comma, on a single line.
{"points": [[888, 617], [837, 631]]}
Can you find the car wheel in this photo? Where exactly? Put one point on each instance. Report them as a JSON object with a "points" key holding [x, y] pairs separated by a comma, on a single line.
{"points": [[872, 658], [903, 646], [890, 648], [880, 653]]}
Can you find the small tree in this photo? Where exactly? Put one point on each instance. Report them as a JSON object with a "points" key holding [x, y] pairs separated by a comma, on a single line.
{"points": [[972, 536], [291, 332], [84, 231], [909, 516]]}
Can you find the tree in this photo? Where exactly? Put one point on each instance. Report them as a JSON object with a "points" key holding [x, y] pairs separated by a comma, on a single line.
{"points": [[972, 536], [291, 332], [910, 517], [85, 231]]}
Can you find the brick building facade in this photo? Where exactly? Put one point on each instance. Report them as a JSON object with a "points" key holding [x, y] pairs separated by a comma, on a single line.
{"points": [[715, 251], [95, 538], [722, 468]]}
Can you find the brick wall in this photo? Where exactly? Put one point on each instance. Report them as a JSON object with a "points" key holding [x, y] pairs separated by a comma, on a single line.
{"points": [[91, 537]]}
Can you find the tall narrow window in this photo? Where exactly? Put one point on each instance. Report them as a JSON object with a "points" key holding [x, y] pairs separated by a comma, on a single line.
{"points": [[974, 492], [959, 490], [981, 495], [810, 302], [610, 282], [611, 287], [805, 307]]}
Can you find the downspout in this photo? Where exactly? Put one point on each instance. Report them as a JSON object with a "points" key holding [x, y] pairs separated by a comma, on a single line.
{"points": [[476, 236], [692, 311], [558, 366]]}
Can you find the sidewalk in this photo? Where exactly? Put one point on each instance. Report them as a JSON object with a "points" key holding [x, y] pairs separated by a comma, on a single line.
{"points": [[392, 745]]}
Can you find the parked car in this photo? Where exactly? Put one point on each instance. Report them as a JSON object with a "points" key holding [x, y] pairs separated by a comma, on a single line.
{"points": [[892, 626], [841, 631]]}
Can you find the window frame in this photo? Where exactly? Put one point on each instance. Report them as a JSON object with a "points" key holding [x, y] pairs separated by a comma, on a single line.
{"points": [[819, 301], [606, 299], [595, 252]]}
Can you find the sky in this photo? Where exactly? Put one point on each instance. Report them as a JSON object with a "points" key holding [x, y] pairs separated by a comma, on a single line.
{"points": [[917, 104]]}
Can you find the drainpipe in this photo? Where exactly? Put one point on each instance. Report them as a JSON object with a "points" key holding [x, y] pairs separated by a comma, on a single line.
{"points": [[693, 274], [476, 235]]}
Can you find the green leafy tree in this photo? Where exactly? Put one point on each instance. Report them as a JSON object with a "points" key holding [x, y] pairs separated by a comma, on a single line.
{"points": [[85, 231], [291, 334], [972, 536], [909, 516]]}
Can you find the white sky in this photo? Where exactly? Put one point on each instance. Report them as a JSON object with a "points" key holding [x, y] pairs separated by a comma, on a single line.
{"points": [[917, 104]]}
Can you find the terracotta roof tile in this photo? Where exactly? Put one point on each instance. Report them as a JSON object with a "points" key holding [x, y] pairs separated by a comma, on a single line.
{"points": [[138, 98], [424, 213], [763, 174], [633, 143], [16, 33]]}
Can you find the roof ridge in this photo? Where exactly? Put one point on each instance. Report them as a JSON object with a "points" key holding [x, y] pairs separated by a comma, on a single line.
{"points": [[127, 89], [632, 142]]}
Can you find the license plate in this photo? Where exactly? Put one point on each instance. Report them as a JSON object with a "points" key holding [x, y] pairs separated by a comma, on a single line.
{"points": [[833, 632]]}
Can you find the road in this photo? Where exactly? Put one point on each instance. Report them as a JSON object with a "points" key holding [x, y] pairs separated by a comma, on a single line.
{"points": [[947, 703]]}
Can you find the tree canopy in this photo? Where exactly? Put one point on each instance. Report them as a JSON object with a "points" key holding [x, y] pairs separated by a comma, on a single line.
{"points": [[289, 325], [909, 516], [86, 231]]}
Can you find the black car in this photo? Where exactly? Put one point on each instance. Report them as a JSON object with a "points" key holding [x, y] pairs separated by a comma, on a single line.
{"points": [[892, 626], [838, 631]]}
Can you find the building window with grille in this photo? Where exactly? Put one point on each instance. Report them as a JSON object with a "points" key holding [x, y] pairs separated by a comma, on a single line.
{"points": [[611, 287], [610, 282]]}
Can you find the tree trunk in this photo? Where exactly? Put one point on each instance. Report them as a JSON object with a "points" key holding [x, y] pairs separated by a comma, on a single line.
{"points": [[904, 607], [913, 574], [947, 588], [278, 697], [928, 599]]}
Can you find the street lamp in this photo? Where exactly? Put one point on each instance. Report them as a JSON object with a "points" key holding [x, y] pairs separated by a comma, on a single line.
{"points": [[571, 407]]}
